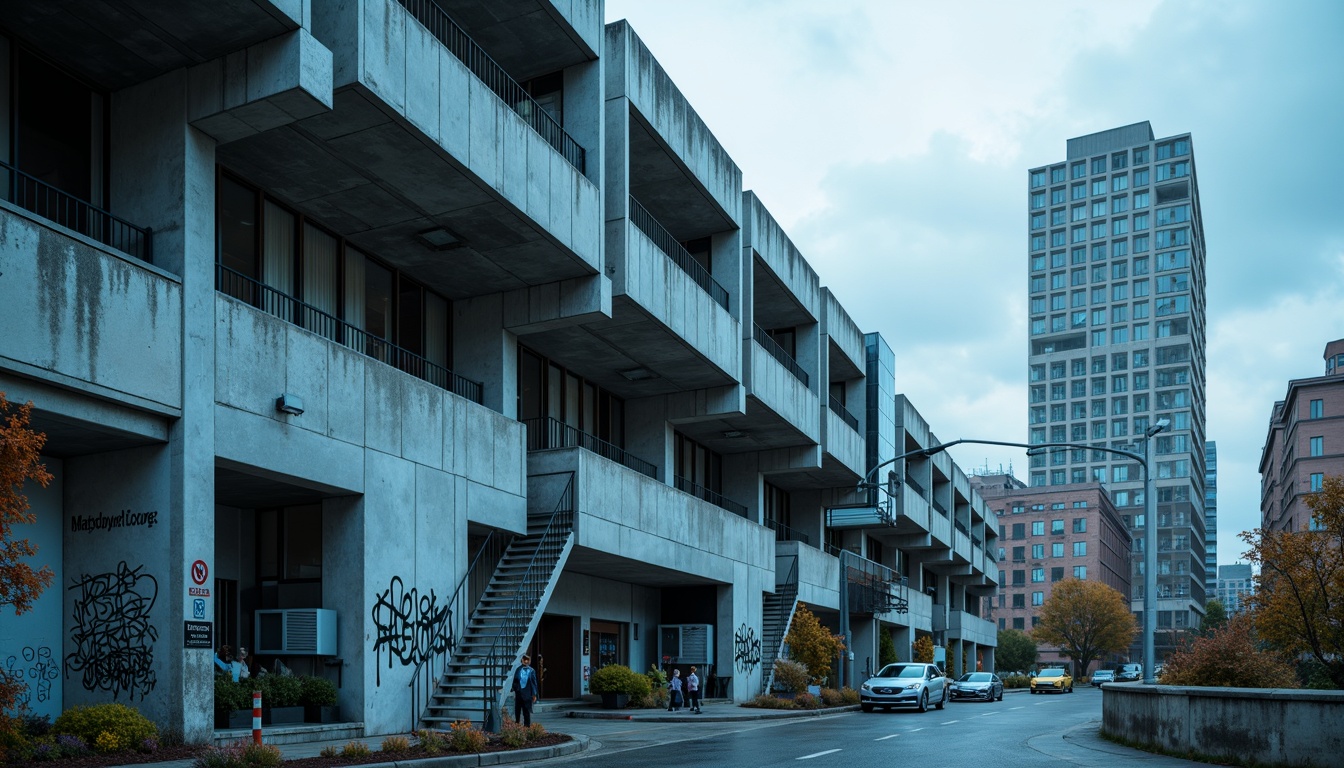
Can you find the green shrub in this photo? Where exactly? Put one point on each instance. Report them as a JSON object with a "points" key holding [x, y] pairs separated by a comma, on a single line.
{"points": [[317, 692], [536, 731], [618, 678], [657, 678], [766, 701], [331, 750], [791, 675], [513, 734], [241, 754], [279, 690], [124, 726], [230, 695], [466, 737], [396, 744], [831, 697], [654, 699], [1017, 681], [849, 695], [432, 742], [806, 701]]}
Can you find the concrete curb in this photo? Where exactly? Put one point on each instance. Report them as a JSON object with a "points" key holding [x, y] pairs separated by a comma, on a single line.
{"points": [[740, 713], [576, 744]]}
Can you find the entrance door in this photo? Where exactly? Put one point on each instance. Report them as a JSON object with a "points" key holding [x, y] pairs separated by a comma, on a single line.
{"points": [[607, 647], [552, 652]]}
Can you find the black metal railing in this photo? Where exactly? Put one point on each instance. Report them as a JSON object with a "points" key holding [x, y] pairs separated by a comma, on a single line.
{"points": [[960, 526], [778, 624], [938, 506], [453, 626], [779, 353], [291, 310], [31, 194], [497, 662], [914, 484], [460, 44], [676, 252], [717, 499], [839, 409], [545, 433], [785, 533]]}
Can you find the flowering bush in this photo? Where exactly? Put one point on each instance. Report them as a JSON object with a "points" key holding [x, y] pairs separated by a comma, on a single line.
{"points": [[396, 744], [466, 737]]}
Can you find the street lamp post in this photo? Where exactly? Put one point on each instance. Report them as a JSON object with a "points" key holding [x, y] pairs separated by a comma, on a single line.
{"points": [[1149, 520]]}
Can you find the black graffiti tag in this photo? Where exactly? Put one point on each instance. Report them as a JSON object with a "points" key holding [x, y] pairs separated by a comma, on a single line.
{"points": [[112, 634], [746, 648], [38, 666], [406, 626]]}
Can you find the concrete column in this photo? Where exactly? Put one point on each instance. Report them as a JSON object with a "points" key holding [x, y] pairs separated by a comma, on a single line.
{"points": [[483, 351]]}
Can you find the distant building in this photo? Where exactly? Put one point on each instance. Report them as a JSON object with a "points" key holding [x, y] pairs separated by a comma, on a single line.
{"points": [[1116, 341], [1047, 535], [1210, 520], [1304, 444], [1235, 585]]}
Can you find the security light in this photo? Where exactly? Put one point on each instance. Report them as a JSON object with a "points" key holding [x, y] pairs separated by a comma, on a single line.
{"points": [[290, 404]]}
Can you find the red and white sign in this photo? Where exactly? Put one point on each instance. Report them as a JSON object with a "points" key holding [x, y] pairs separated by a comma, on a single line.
{"points": [[200, 571]]}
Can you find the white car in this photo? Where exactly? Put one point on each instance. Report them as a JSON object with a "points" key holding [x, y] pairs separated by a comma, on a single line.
{"points": [[905, 684]]}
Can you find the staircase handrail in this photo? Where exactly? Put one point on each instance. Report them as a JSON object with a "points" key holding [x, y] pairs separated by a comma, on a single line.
{"points": [[790, 588], [448, 626], [493, 669]]}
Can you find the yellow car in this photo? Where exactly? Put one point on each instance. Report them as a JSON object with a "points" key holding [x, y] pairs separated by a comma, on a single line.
{"points": [[1055, 679]]}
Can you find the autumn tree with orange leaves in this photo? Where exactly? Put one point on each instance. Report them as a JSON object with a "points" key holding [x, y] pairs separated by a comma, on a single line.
{"points": [[1299, 597], [20, 463], [1086, 620]]}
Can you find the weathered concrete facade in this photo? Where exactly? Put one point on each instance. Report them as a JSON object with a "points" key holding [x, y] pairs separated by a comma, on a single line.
{"points": [[354, 307]]}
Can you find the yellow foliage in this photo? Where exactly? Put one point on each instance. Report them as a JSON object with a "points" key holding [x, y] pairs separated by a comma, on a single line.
{"points": [[1085, 620], [812, 645], [924, 649]]}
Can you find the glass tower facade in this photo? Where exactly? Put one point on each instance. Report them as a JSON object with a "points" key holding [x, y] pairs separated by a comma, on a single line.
{"points": [[1116, 341]]}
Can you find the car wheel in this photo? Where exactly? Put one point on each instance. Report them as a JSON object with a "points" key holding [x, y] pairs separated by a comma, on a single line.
{"points": [[941, 702], [924, 701], [1000, 697], [866, 707]]}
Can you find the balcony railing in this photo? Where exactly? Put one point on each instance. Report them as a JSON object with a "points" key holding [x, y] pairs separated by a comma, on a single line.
{"points": [[700, 492], [545, 433], [839, 409], [460, 44], [73, 213], [785, 533], [778, 352], [676, 252], [941, 509], [291, 310], [914, 484]]}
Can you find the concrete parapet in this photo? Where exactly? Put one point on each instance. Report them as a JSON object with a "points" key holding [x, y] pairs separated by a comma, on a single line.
{"points": [[1268, 726]]}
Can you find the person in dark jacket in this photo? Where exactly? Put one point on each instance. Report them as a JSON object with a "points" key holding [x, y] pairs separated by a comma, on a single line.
{"points": [[525, 691]]}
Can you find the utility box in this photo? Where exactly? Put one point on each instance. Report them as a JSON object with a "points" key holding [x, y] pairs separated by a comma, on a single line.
{"points": [[296, 631]]}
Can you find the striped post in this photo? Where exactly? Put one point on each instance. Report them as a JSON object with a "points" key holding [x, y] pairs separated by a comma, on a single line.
{"points": [[256, 717]]}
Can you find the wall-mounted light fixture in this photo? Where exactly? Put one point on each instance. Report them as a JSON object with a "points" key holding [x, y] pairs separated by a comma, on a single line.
{"points": [[290, 404]]}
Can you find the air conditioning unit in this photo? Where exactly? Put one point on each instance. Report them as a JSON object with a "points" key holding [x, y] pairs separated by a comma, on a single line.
{"points": [[686, 643], [296, 631]]}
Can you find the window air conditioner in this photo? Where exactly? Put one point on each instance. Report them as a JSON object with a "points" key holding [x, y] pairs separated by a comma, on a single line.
{"points": [[297, 631], [686, 643]]}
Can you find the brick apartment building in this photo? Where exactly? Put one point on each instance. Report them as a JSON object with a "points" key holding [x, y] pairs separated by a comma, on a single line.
{"points": [[1304, 444]]}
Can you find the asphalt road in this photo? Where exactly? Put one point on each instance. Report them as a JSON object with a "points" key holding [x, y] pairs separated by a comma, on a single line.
{"points": [[1022, 730]]}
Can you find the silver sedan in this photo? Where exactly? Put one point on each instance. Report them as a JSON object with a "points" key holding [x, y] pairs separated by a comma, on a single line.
{"points": [[910, 684], [981, 686]]}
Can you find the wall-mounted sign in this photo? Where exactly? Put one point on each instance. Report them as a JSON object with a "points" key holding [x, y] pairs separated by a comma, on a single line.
{"points": [[199, 572], [121, 519], [198, 634]]}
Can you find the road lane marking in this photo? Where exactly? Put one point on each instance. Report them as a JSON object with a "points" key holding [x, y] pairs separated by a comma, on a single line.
{"points": [[949, 722], [1016, 707], [912, 730], [816, 754], [884, 738]]}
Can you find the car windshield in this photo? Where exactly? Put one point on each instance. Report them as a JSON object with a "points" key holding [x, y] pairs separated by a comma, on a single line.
{"points": [[975, 677], [901, 670], [1051, 673]]}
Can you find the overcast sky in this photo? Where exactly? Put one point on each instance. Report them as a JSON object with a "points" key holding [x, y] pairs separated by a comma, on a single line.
{"points": [[891, 141]]}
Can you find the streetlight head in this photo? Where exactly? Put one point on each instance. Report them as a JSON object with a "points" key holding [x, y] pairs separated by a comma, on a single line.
{"points": [[1158, 426]]}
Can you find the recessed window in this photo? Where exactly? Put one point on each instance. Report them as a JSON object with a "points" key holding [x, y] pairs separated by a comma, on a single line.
{"points": [[1080, 571], [1099, 187], [1080, 549], [1317, 481], [1037, 179], [1037, 598], [1318, 446], [1099, 165], [1057, 174], [1317, 409]]}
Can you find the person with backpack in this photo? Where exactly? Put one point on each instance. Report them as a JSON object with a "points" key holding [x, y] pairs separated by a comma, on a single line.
{"points": [[674, 692]]}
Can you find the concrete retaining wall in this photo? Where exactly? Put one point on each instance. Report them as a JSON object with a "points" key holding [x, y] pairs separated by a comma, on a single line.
{"points": [[1261, 725]]}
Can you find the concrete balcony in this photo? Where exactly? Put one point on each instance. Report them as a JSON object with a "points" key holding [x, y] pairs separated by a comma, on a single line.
{"points": [[818, 574], [83, 317], [634, 528], [964, 626]]}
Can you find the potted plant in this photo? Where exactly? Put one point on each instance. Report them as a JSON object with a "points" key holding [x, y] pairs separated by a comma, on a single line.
{"points": [[233, 703], [318, 696], [280, 699], [616, 683]]}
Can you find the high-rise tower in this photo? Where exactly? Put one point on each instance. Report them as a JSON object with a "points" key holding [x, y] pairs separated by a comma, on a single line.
{"points": [[1116, 341]]}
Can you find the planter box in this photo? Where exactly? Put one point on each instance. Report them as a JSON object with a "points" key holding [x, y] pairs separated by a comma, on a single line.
{"points": [[615, 700], [282, 715], [233, 719], [322, 714]]}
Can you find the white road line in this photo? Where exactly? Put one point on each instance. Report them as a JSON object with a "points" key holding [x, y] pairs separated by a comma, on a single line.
{"points": [[912, 730], [987, 714], [1016, 707], [949, 722], [816, 754], [884, 738]]}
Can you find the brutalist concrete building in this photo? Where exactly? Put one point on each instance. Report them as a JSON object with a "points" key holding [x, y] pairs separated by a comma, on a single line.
{"points": [[392, 340]]}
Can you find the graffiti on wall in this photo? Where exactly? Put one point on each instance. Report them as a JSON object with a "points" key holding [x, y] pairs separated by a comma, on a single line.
{"points": [[406, 626], [39, 667], [112, 633], [746, 648]]}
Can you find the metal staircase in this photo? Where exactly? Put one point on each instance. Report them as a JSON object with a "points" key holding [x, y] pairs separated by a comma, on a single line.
{"points": [[475, 678], [777, 615]]}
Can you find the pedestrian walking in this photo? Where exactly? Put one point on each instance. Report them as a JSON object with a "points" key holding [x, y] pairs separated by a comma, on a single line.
{"points": [[693, 692], [674, 692], [525, 691]]}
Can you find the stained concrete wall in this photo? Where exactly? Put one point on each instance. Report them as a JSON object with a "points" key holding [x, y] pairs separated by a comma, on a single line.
{"points": [[592, 598], [1260, 725], [86, 317]]}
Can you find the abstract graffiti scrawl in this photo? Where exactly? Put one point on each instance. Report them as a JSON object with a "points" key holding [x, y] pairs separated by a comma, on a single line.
{"points": [[112, 634], [746, 648], [407, 626], [39, 667]]}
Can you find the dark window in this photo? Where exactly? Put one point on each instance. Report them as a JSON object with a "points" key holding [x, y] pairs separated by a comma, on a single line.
{"points": [[1019, 531], [698, 464]]}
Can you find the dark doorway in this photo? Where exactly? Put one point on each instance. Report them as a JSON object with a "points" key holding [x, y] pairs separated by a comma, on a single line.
{"points": [[552, 652]]}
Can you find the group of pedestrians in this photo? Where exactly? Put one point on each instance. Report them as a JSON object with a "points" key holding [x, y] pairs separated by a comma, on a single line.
{"points": [[692, 685]]}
